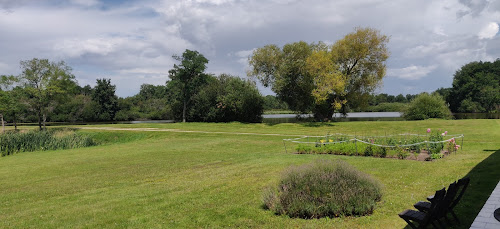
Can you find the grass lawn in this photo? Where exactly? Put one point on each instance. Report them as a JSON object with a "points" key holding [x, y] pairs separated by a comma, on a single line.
{"points": [[168, 177]]}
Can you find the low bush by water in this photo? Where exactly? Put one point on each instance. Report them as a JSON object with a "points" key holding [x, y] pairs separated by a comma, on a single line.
{"points": [[51, 139], [324, 188]]}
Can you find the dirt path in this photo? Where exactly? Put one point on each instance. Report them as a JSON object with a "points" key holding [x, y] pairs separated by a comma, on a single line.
{"points": [[184, 131]]}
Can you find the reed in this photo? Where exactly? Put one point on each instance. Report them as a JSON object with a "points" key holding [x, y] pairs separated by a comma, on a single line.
{"points": [[51, 139]]}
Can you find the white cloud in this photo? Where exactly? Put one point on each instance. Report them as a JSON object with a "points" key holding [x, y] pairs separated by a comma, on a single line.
{"points": [[411, 72], [242, 56], [77, 47], [3, 68], [133, 41], [489, 31], [85, 2]]}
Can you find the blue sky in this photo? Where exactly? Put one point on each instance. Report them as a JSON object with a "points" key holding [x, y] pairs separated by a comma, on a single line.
{"points": [[132, 42]]}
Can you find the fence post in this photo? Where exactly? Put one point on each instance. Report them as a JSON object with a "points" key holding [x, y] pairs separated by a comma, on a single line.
{"points": [[356, 144], [462, 146]]}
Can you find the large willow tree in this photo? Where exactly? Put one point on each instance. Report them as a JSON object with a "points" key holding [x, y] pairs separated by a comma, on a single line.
{"points": [[323, 78]]}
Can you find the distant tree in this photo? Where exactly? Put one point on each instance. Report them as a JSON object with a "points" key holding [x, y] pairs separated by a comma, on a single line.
{"points": [[187, 78], [361, 56], [86, 90], [227, 98], [400, 99], [152, 102], [44, 83], [104, 97], [7, 102], [329, 83], [284, 70], [273, 103], [426, 106], [410, 97], [323, 78], [476, 88], [149, 91]]}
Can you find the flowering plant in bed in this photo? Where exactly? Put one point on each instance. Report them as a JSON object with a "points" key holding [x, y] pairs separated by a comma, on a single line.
{"points": [[432, 145]]}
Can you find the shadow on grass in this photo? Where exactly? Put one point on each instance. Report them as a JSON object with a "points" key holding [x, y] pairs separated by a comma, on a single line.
{"points": [[276, 121], [483, 179], [316, 124]]}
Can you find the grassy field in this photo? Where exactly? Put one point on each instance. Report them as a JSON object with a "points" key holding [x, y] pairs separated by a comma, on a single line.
{"points": [[212, 175]]}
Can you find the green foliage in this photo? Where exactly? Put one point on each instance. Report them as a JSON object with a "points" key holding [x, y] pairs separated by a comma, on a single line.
{"points": [[227, 98], [324, 189], [386, 107], [107, 102], [394, 146], [435, 156], [271, 102], [321, 78], [361, 56], [427, 106], [186, 81], [402, 153], [476, 88], [435, 148], [45, 84], [284, 70], [52, 139], [304, 148]]}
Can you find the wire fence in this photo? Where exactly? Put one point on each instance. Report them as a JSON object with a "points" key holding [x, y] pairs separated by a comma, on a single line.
{"points": [[370, 140]]}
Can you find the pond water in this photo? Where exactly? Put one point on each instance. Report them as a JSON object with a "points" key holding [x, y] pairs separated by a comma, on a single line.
{"points": [[355, 116], [365, 116]]}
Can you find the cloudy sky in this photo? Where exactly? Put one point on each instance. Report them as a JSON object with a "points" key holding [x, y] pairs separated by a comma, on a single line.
{"points": [[132, 42]]}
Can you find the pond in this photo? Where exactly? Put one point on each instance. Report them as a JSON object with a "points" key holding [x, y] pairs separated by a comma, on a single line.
{"points": [[355, 116], [365, 116]]}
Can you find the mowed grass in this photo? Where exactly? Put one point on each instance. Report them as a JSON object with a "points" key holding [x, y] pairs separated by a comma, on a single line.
{"points": [[160, 178]]}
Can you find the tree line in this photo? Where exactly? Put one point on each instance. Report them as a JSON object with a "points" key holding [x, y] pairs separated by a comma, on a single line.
{"points": [[47, 91], [306, 77]]}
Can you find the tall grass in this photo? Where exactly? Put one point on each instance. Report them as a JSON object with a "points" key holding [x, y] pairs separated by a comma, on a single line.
{"points": [[52, 139]]}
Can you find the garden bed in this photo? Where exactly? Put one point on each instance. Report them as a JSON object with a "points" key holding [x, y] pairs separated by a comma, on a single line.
{"points": [[421, 147]]}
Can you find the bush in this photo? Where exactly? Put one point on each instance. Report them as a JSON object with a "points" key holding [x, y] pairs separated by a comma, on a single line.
{"points": [[323, 189], [225, 99], [427, 106]]}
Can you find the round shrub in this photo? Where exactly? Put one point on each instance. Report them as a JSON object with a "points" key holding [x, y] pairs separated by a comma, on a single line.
{"points": [[426, 106], [323, 188]]}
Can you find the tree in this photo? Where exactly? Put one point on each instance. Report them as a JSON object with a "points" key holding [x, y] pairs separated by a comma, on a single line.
{"points": [[45, 82], [187, 78], [104, 97], [4, 106], [308, 76], [227, 98], [328, 81], [10, 99], [426, 106], [149, 91], [284, 70], [6, 101], [273, 103], [361, 57], [476, 88]]}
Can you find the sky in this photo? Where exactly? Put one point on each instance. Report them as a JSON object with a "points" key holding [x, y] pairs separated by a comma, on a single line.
{"points": [[132, 42]]}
